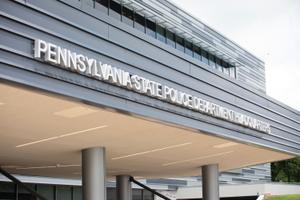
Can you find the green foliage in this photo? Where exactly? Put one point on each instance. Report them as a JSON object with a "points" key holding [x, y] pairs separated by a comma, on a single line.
{"points": [[284, 197], [286, 171]]}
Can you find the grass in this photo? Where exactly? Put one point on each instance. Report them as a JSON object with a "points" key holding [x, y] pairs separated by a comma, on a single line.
{"points": [[284, 197]]}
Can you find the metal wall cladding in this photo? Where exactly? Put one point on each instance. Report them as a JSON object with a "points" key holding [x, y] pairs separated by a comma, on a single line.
{"points": [[77, 26]]}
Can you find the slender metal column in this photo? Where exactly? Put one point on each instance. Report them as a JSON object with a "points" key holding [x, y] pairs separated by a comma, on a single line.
{"points": [[124, 191], [210, 182], [93, 174]]}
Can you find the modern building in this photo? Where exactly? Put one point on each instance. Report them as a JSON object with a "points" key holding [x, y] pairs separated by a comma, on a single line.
{"points": [[92, 90]]}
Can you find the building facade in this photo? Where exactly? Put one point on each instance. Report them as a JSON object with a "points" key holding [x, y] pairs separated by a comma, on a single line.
{"points": [[161, 92]]}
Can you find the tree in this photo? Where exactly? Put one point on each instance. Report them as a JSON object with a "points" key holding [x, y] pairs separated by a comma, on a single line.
{"points": [[286, 170]]}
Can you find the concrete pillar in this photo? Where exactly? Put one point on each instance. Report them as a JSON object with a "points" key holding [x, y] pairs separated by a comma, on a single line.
{"points": [[210, 182], [124, 191], [93, 174]]}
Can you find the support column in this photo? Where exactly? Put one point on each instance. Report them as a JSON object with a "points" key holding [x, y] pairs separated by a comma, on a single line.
{"points": [[93, 174], [210, 182], [124, 191]]}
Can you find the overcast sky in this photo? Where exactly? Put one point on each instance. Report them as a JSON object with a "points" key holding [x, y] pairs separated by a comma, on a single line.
{"points": [[270, 29]]}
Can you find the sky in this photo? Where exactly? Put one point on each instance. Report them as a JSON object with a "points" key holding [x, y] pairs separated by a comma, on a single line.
{"points": [[269, 29]]}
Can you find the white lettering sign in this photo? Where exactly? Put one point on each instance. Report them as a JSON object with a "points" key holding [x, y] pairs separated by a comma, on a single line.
{"points": [[67, 59]]}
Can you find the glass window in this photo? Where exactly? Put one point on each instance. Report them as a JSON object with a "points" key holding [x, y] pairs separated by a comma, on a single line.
{"points": [[218, 65], [232, 71], [211, 61], [7, 190], [64, 192], [77, 193], [24, 194], [161, 33], [188, 48], [137, 194], [147, 195], [139, 22], [179, 43], [170, 38], [127, 16], [197, 52], [46, 190], [150, 28], [102, 5], [204, 56], [225, 68], [111, 194], [115, 10]]}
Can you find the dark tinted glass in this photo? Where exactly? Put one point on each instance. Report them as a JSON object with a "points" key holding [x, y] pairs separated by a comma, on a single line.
{"points": [[197, 52], [160, 33], [47, 191], [218, 64], [211, 61], [188, 48], [24, 194], [225, 67], [147, 195], [127, 16], [102, 5], [170, 38], [232, 71], [115, 10], [7, 190], [150, 28], [180, 43], [111, 194], [204, 56], [139, 22], [64, 192], [77, 193], [136, 194]]}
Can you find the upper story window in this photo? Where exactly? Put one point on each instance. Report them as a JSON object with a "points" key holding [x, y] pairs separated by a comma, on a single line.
{"points": [[155, 30], [127, 16], [150, 28], [179, 43], [102, 5], [161, 33], [204, 56], [170, 38], [139, 22], [189, 48], [115, 10]]}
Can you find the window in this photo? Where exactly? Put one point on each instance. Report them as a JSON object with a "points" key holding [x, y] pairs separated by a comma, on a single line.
{"points": [[204, 56], [127, 16], [170, 38], [7, 190], [179, 43], [225, 68], [189, 48], [150, 28], [218, 64], [102, 5], [211, 61], [161, 33], [139, 22], [147, 195], [63, 192], [232, 71], [77, 193], [111, 194], [197, 52], [115, 10], [137, 194], [24, 194], [46, 190]]}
